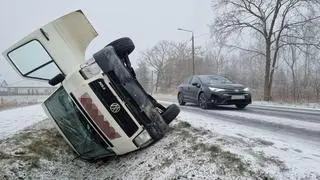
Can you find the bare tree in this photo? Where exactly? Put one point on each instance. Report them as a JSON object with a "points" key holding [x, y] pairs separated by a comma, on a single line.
{"points": [[142, 73], [291, 61], [156, 57], [272, 20]]}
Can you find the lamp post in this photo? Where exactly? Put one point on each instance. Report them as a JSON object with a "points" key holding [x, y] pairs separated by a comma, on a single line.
{"points": [[192, 39]]}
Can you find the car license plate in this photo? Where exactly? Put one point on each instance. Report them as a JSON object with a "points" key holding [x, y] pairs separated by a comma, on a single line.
{"points": [[237, 97]]}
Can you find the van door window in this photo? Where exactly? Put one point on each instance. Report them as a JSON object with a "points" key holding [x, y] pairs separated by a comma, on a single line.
{"points": [[33, 61]]}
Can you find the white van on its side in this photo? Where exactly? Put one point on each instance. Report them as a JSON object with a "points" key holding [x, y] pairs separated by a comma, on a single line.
{"points": [[99, 107]]}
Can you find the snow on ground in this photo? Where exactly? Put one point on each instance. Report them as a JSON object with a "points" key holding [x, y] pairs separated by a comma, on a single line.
{"points": [[197, 146], [300, 157], [291, 105], [13, 120], [184, 153]]}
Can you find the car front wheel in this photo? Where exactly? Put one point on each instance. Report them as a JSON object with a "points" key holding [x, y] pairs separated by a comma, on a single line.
{"points": [[181, 99], [203, 101], [241, 106]]}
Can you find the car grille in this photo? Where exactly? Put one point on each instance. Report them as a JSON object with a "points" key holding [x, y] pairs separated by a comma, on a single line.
{"points": [[109, 101], [235, 91]]}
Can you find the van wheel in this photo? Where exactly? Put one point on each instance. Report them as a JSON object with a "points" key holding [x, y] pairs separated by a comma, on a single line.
{"points": [[123, 46], [158, 127], [170, 113]]}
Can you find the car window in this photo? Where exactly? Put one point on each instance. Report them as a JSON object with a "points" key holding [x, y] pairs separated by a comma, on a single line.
{"points": [[195, 80], [215, 80]]}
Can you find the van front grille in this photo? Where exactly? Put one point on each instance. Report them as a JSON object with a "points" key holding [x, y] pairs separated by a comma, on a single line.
{"points": [[114, 107]]}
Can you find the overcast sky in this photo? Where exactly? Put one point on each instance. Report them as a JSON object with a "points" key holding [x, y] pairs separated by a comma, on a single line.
{"points": [[145, 21]]}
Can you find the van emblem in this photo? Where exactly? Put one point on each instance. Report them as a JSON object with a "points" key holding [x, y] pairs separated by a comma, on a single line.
{"points": [[115, 108], [236, 90]]}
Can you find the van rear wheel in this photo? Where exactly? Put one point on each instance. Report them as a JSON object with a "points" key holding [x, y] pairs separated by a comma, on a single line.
{"points": [[158, 127]]}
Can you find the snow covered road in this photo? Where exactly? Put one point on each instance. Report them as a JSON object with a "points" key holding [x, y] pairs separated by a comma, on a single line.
{"points": [[290, 135]]}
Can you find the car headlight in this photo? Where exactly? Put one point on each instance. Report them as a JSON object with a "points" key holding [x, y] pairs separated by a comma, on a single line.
{"points": [[216, 89], [246, 89], [90, 70], [142, 138]]}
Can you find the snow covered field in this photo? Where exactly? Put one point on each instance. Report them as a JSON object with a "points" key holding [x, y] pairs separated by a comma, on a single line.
{"points": [[255, 143], [13, 120], [23, 99]]}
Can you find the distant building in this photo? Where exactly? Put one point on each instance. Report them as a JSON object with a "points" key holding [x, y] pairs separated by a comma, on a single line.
{"points": [[25, 88], [3, 83], [3, 86]]}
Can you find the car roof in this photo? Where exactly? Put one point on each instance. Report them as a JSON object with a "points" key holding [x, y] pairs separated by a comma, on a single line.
{"points": [[207, 76]]}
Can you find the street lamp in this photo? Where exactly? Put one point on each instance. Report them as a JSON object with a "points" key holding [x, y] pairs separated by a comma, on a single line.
{"points": [[192, 38]]}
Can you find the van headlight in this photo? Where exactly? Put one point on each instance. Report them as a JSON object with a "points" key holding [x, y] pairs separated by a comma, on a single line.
{"points": [[246, 89], [142, 138], [90, 69]]}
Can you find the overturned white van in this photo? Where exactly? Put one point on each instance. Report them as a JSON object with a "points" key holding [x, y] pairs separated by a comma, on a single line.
{"points": [[99, 107]]}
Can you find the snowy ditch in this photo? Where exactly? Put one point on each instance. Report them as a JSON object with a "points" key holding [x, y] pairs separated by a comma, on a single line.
{"points": [[196, 147]]}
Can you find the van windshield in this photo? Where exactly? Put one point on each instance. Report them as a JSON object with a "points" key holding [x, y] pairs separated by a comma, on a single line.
{"points": [[74, 126]]}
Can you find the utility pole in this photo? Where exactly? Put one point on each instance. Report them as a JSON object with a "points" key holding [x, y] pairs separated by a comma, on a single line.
{"points": [[192, 39], [151, 82], [193, 72]]}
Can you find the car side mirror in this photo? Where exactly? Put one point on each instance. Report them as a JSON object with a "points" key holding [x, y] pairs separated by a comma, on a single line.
{"points": [[196, 85], [56, 80]]}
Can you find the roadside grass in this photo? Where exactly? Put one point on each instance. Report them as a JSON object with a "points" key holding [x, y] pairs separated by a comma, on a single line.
{"points": [[29, 147], [33, 147], [4, 155], [45, 144], [225, 160]]}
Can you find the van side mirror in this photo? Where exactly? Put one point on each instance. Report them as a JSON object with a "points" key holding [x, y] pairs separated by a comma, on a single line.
{"points": [[57, 79]]}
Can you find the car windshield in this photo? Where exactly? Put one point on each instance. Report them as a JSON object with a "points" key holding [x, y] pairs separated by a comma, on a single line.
{"points": [[74, 126], [211, 79]]}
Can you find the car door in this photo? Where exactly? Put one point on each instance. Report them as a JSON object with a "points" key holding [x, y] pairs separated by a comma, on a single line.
{"points": [[184, 89], [195, 86]]}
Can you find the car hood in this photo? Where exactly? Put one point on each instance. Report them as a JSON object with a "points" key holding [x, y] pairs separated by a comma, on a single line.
{"points": [[226, 86]]}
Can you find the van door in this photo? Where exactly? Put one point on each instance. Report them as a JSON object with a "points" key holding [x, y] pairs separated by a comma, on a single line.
{"points": [[54, 48]]}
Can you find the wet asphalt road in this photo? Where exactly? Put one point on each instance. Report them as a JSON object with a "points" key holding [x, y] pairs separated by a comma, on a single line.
{"points": [[300, 123]]}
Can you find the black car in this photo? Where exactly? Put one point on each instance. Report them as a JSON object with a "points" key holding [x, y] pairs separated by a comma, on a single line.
{"points": [[208, 90]]}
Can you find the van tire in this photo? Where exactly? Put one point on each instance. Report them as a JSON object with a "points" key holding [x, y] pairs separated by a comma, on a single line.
{"points": [[158, 127], [170, 113], [123, 46]]}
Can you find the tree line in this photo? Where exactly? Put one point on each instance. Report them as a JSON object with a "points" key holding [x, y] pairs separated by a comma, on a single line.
{"points": [[270, 46]]}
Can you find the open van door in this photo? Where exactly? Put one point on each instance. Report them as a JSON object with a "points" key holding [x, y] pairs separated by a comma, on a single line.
{"points": [[53, 49]]}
